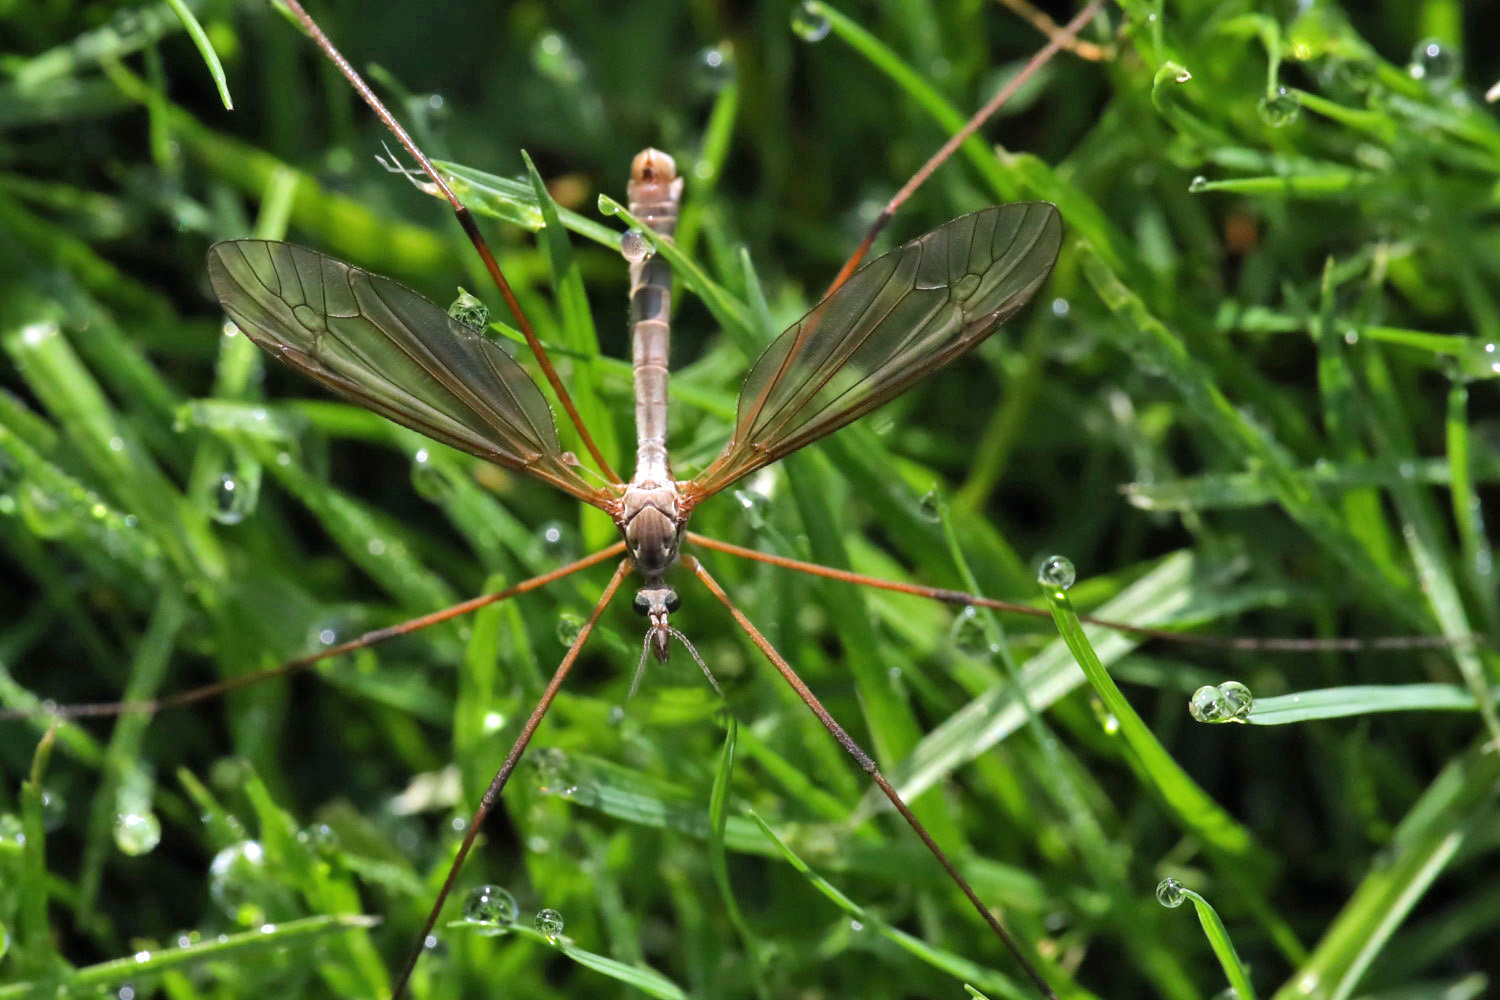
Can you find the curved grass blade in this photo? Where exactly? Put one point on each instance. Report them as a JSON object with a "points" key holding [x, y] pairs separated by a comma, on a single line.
{"points": [[205, 49]]}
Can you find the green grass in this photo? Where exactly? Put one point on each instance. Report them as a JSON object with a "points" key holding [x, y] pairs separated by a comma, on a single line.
{"points": [[1256, 399]]}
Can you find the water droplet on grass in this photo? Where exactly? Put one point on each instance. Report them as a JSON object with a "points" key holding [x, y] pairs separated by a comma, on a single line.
{"points": [[1207, 705], [634, 246], [968, 635], [549, 922], [1057, 572], [1280, 109], [714, 68], [491, 908], [427, 479], [469, 312], [554, 58], [137, 833], [233, 499], [1238, 701], [233, 879], [569, 626], [1227, 702], [1169, 893], [809, 23], [931, 507], [1435, 61], [54, 810]]}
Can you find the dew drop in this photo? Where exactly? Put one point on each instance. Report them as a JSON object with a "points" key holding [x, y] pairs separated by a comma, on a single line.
{"points": [[1198, 185], [931, 507], [755, 505], [233, 499], [1479, 359], [555, 541], [968, 635], [233, 878], [320, 837], [1356, 74], [569, 626], [54, 810], [554, 58], [12, 833], [634, 246], [809, 23], [41, 512], [491, 908], [1207, 705], [549, 922], [1279, 109], [469, 312], [1182, 77], [429, 481], [1169, 893], [713, 70], [137, 833], [39, 333], [1056, 572], [1238, 701], [1434, 61], [1061, 308]]}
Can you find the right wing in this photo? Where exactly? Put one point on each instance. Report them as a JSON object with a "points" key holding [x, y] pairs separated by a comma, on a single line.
{"points": [[388, 349], [901, 316]]}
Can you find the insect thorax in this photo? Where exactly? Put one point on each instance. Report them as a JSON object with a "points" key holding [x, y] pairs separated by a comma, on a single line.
{"points": [[651, 518]]}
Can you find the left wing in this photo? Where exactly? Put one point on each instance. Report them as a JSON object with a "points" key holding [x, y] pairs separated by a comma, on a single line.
{"points": [[379, 343]]}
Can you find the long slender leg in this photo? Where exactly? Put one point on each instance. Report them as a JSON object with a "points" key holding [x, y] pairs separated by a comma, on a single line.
{"points": [[1059, 40], [465, 219], [1146, 632], [1039, 20], [497, 783], [370, 638], [868, 765]]}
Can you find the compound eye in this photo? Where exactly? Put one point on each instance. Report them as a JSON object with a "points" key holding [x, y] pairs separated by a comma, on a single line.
{"points": [[673, 602], [641, 605]]}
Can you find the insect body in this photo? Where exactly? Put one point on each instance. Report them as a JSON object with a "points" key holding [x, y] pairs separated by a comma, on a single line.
{"points": [[899, 317]]}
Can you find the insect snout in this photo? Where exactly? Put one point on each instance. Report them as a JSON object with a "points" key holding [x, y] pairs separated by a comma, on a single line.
{"points": [[656, 603]]}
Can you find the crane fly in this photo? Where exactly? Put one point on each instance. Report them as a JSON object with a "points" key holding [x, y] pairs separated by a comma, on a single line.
{"points": [[883, 325], [894, 320], [899, 317]]}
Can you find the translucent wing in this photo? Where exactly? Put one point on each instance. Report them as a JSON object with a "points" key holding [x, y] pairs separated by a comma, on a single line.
{"points": [[898, 318], [388, 349]]}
